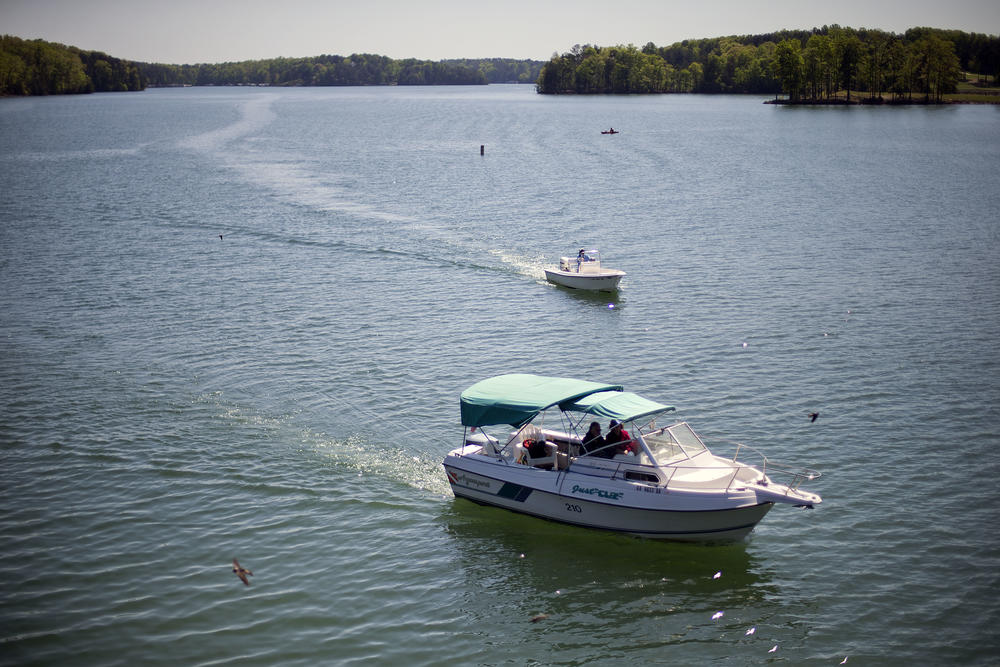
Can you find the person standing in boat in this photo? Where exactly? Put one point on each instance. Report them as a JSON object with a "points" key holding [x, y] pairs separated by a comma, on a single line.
{"points": [[593, 441], [618, 434]]}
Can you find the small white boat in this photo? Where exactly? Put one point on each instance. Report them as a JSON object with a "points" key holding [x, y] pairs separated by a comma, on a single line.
{"points": [[585, 272], [660, 482]]}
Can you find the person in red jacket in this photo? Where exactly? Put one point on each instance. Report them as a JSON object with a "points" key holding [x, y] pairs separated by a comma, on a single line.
{"points": [[616, 433]]}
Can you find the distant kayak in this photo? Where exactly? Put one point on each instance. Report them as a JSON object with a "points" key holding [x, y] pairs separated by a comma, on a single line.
{"points": [[611, 131]]}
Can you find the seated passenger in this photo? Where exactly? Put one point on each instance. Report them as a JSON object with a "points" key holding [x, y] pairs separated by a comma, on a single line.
{"points": [[617, 434], [593, 441]]}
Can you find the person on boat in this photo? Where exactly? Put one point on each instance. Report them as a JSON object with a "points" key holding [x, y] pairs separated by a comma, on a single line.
{"points": [[593, 441], [618, 434]]}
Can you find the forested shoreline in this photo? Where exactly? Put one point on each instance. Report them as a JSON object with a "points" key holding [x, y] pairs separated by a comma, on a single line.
{"points": [[359, 69], [822, 65], [807, 65], [37, 67]]}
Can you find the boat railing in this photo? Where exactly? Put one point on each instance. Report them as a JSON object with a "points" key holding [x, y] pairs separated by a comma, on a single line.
{"points": [[767, 469], [746, 465]]}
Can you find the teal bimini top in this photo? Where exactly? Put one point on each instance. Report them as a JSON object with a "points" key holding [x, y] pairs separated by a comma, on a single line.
{"points": [[516, 398], [621, 405]]}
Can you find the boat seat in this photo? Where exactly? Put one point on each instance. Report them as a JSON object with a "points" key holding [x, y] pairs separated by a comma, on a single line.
{"points": [[548, 461]]}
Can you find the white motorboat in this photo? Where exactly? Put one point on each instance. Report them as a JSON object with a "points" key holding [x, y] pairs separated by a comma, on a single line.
{"points": [[585, 272], [660, 482]]}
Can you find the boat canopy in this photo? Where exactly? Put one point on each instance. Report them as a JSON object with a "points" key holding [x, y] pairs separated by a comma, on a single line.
{"points": [[621, 405], [516, 398]]}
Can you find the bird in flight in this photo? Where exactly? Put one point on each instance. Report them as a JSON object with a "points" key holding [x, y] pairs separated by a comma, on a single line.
{"points": [[812, 416], [242, 572]]}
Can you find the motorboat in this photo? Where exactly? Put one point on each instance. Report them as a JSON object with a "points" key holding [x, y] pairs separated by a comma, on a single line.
{"points": [[610, 131], [658, 482], [585, 273]]}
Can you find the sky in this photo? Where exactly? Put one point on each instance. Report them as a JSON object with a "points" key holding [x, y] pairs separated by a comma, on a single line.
{"points": [[215, 31]]}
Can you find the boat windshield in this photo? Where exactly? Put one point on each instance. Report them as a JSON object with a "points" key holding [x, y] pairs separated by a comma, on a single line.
{"points": [[677, 441]]}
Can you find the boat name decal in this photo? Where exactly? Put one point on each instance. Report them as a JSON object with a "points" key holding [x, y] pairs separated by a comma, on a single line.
{"points": [[600, 493], [465, 480]]}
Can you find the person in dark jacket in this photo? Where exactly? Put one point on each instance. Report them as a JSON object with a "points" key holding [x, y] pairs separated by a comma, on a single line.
{"points": [[593, 441]]}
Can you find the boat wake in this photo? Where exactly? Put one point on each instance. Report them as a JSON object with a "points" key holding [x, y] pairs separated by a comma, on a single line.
{"points": [[367, 459], [532, 266], [244, 148], [239, 145], [358, 455]]}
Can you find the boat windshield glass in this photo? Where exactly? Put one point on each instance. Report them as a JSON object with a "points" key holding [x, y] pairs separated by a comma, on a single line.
{"points": [[685, 436], [677, 441]]}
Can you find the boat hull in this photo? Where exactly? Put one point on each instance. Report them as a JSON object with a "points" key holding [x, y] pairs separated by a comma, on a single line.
{"points": [[606, 281], [600, 503]]}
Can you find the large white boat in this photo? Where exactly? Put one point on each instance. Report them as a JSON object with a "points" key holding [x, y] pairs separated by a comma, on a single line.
{"points": [[585, 272], [659, 482]]}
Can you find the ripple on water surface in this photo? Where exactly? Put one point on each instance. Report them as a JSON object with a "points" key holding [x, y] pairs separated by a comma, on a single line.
{"points": [[170, 400]]}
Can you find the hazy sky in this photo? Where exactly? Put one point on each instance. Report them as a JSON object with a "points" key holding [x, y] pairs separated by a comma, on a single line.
{"points": [[194, 31]]}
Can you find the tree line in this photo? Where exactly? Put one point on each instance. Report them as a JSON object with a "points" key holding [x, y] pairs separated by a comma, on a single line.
{"points": [[359, 69], [807, 65], [37, 67]]}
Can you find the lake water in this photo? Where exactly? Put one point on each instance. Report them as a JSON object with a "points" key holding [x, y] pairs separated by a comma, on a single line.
{"points": [[285, 394]]}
